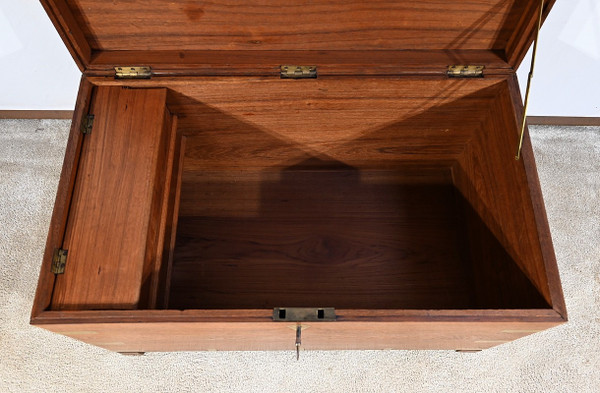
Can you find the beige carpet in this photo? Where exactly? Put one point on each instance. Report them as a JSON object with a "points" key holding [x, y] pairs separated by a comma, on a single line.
{"points": [[564, 359]]}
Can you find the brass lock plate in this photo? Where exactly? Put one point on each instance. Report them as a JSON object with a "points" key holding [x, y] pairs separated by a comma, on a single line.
{"points": [[302, 314]]}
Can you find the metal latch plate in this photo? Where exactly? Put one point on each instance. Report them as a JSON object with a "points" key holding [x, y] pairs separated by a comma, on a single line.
{"points": [[301, 314]]}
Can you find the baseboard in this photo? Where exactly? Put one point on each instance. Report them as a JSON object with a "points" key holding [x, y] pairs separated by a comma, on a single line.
{"points": [[532, 120], [563, 121], [36, 114]]}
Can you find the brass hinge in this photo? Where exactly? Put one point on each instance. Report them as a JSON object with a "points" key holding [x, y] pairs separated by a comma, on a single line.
{"points": [[130, 72], [465, 71], [59, 260], [298, 72], [86, 124]]}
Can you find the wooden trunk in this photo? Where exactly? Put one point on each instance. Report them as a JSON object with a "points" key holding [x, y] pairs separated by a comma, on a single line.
{"points": [[204, 199]]}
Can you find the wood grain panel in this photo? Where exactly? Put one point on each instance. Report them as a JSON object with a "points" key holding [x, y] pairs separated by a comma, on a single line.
{"points": [[62, 202], [160, 226], [323, 238], [537, 201], [170, 216], [234, 193], [317, 146], [498, 282], [546, 315], [174, 330], [36, 114], [203, 336], [263, 122], [304, 25], [333, 62], [496, 186], [570, 121], [113, 202]]}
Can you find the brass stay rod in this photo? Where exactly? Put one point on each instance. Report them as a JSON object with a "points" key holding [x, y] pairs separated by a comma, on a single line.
{"points": [[530, 77]]}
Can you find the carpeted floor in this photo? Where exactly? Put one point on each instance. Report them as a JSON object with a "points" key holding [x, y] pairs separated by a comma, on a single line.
{"points": [[563, 359]]}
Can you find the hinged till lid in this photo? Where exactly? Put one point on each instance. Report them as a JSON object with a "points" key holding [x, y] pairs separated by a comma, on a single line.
{"points": [[340, 36]]}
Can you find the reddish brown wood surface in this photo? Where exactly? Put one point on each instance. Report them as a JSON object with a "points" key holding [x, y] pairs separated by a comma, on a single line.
{"points": [[266, 315], [159, 228], [189, 336], [264, 124], [114, 202], [496, 187], [339, 238], [333, 62], [569, 121], [62, 202], [157, 29], [166, 268], [269, 122], [36, 114], [537, 201], [305, 25], [240, 177], [254, 145]]}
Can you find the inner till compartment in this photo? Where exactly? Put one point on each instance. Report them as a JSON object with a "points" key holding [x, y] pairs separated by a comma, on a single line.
{"points": [[362, 194]]}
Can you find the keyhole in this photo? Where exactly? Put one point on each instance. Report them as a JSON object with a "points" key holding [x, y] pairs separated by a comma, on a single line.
{"points": [[298, 340]]}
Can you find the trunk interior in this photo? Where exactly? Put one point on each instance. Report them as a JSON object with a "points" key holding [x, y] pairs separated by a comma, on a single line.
{"points": [[353, 193]]}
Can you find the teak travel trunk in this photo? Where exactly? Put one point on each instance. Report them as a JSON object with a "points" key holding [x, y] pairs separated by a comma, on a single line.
{"points": [[333, 174]]}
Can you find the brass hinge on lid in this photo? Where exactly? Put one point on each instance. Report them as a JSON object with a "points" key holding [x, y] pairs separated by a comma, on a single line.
{"points": [[465, 71], [59, 260], [86, 124], [298, 72], [131, 72]]}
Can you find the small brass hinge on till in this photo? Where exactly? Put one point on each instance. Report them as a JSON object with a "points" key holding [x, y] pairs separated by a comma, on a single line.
{"points": [[129, 72], [302, 314], [298, 72], [59, 260], [86, 124], [465, 71]]}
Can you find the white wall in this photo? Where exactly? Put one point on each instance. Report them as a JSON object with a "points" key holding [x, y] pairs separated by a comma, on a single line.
{"points": [[36, 69], [566, 80], [37, 72]]}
